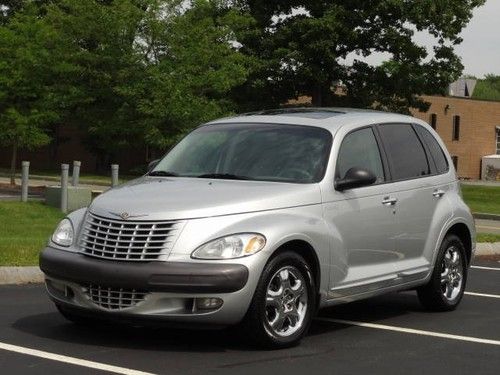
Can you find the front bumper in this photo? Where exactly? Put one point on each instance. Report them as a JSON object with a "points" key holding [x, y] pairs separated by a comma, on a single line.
{"points": [[171, 288]]}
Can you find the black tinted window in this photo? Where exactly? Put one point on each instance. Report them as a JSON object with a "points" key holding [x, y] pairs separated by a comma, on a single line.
{"points": [[404, 150], [434, 148], [360, 149]]}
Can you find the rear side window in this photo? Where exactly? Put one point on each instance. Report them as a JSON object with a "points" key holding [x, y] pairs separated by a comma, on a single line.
{"points": [[360, 149], [435, 149], [404, 150]]}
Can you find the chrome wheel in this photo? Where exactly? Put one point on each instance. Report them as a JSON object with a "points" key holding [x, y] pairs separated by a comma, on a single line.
{"points": [[451, 273], [286, 302]]}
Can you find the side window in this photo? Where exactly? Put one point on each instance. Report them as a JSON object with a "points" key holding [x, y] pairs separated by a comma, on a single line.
{"points": [[405, 152], [435, 149], [360, 149]]}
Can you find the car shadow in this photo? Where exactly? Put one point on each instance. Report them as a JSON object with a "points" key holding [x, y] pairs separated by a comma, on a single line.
{"points": [[54, 327]]}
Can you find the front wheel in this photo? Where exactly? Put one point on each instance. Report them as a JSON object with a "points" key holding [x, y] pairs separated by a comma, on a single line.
{"points": [[283, 305], [445, 289]]}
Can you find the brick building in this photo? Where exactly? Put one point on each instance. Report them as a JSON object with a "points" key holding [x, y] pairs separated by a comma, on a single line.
{"points": [[470, 129]]}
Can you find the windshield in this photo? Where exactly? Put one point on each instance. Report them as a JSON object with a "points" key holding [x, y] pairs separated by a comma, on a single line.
{"points": [[266, 152]]}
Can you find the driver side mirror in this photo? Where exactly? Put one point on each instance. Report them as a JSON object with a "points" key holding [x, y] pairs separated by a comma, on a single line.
{"points": [[153, 164], [354, 178]]}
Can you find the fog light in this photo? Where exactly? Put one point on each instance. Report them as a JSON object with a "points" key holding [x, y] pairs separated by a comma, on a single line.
{"points": [[209, 303]]}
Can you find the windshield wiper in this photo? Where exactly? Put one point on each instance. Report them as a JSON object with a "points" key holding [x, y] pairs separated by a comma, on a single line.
{"points": [[224, 176], [163, 174]]}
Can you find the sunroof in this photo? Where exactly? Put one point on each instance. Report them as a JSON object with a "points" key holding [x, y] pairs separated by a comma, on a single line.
{"points": [[312, 113]]}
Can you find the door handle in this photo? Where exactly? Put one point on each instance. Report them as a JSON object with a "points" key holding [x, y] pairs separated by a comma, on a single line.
{"points": [[438, 193], [388, 201]]}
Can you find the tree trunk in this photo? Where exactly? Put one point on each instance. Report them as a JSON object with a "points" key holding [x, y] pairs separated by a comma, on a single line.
{"points": [[13, 162]]}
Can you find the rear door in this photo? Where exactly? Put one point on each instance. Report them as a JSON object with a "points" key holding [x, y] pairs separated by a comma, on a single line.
{"points": [[416, 187]]}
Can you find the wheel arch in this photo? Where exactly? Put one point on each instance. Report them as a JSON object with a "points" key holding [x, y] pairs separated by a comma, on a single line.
{"points": [[462, 231], [307, 251]]}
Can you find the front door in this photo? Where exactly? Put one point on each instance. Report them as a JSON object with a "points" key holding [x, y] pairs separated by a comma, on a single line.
{"points": [[362, 221]]}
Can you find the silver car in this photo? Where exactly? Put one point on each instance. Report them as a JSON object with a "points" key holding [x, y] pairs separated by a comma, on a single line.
{"points": [[262, 219]]}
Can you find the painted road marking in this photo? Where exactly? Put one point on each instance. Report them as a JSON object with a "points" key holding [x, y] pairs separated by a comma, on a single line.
{"points": [[482, 295], [485, 268], [71, 360], [412, 331]]}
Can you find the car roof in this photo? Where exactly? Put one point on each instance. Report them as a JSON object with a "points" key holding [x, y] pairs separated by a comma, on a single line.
{"points": [[328, 118]]}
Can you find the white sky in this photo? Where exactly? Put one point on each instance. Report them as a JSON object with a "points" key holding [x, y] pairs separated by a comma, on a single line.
{"points": [[480, 49]]}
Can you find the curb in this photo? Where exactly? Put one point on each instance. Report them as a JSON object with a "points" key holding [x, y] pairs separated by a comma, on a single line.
{"points": [[480, 215], [486, 248], [20, 275], [33, 275]]}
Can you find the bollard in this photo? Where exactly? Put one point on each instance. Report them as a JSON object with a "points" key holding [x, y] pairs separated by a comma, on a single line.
{"points": [[76, 172], [64, 187], [25, 180], [114, 174]]}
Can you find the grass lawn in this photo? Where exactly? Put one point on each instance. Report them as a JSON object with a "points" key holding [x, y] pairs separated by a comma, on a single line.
{"points": [[25, 229], [483, 199], [487, 237]]}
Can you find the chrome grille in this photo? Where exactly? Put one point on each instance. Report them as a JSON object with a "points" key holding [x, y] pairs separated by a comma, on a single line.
{"points": [[114, 298], [127, 240]]}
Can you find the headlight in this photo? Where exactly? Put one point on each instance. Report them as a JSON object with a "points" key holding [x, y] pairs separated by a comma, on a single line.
{"points": [[229, 247], [63, 234]]}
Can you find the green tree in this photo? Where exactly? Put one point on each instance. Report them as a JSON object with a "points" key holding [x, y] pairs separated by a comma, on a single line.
{"points": [[487, 88], [28, 101], [305, 52], [193, 64], [145, 71]]}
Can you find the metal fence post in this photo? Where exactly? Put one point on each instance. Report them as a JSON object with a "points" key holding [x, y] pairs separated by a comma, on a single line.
{"points": [[76, 172], [25, 180], [64, 187], [114, 174]]}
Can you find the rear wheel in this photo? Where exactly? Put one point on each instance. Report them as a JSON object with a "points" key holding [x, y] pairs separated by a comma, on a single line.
{"points": [[445, 289], [282, 308]]}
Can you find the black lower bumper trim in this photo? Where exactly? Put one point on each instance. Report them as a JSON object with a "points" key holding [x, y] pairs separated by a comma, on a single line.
{"points": [[176, 277]]}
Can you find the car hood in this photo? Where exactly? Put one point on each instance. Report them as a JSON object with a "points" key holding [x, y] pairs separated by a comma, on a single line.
{"points": [[188, 198]]}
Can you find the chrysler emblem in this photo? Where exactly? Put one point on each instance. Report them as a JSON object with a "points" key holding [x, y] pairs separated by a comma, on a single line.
{"points": [[125, 215]]}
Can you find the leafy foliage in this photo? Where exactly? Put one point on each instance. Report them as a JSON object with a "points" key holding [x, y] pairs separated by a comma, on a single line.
{"points": [[487, 88], [305, 52], [28, 93], [147, 71]]}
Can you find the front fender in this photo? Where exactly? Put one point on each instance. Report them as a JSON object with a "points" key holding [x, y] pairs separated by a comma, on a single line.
{"points": [[278, 226]]}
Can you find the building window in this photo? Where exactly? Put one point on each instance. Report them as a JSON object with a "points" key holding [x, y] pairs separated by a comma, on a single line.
{"points": [[455, 162], [433, 121], [456, 128], [498, 141]]}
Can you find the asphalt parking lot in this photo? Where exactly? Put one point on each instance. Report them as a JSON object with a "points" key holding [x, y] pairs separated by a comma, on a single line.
{"points": [[389, 334]]}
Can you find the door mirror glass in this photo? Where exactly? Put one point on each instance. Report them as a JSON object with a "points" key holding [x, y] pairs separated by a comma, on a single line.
{"points": [[354, 178]]}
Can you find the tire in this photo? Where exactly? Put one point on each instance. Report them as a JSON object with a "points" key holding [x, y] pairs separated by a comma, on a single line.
{"points": [[284, 319], [445, 289]]}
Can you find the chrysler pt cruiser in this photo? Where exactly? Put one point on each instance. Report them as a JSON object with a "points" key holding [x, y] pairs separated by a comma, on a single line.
{"points": [[260, 220]]}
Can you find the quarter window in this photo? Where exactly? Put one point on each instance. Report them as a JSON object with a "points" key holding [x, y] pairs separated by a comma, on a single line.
{"points": [[435, 149], [405, 152], [360, 149]]}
